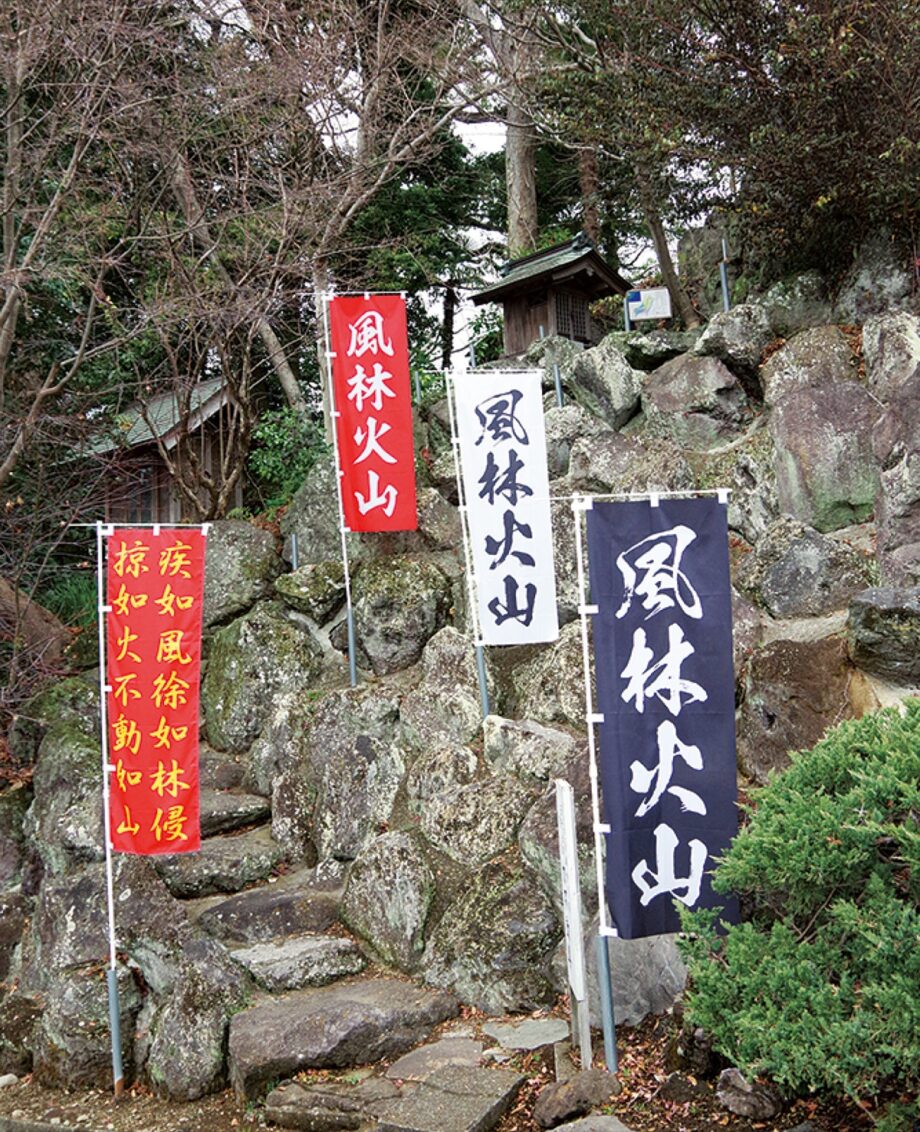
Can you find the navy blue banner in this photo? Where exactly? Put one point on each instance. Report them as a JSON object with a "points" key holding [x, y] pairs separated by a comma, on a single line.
{"points": [[665, 688]]}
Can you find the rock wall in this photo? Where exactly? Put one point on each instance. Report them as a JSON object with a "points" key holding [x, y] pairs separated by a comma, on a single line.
{"points": [[393, 808]]}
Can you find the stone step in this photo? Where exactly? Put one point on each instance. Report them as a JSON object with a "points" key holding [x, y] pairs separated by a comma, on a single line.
{"points": [[346, 1024], [301, 961], [456, 1098], [224, 864], [223, 811], [291, 905]]}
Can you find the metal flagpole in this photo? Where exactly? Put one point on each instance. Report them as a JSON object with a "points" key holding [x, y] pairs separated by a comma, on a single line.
{"points": [[472, 596], [111, 974], [343, 530], [581, 504]]}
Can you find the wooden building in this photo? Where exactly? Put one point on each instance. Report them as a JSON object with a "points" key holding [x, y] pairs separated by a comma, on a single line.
{"points": [[549, 293], [139, 488]]}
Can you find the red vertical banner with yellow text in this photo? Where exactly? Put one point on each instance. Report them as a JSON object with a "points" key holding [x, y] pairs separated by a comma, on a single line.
{"points": [[373, 401], [155, 582]]}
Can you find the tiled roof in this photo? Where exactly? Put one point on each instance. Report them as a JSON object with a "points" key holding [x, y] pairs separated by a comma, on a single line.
{"points": [[157, 418]]}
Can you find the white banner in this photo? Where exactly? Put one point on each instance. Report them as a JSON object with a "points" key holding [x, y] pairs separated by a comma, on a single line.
{"points": [[506, 484]]}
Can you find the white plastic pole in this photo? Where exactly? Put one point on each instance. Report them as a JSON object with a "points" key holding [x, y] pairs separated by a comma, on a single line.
{"points": [[472, 594], [111, 974], [343, 530], [581, 504]]}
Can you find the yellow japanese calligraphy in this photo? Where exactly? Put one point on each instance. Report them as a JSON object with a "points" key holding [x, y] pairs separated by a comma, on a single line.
{"points": [[171, 825], [126, 734], [170, 690], [174, 560], [169, 602], [130, 560], [123, 600], [123, 644], [164, 734], [125, 777], [121, 691], [125, 825], [169, 649], [169, 781]]}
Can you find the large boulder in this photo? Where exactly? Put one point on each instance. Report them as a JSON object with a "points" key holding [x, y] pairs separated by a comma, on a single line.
{"points": [[252, 660], [621, 463], [793, 692], [494, 942], [186, 1056], [73, 1041], [813, 357], [475, 822], [316, 589], [648, 349], [240, 568], [648, 975], [551, 686], [312, 519], [737, 337], [879, 280], [794, 571], [70, 705], [825, 470], [528, 749], [896, 445], [14, 802], [695, 401], [388, 896], [63, 823], [606, 384], [357, 766], [399, 604], [796, 303], [332, 1027], [437, 771], [564, 425], [891, 350], [445, 706], [884, 632]]}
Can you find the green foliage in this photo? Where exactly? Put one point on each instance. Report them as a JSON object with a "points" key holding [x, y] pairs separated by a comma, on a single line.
{"points": [[818, 989], [285, 448], [72, 597]]}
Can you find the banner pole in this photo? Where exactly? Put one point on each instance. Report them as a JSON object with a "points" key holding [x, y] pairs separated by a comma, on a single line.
{"points": [[580, 505], [343, 531], [111, 974], [472, 596]]}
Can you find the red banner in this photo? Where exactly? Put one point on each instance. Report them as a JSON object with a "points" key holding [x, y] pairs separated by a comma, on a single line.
{"points": [[370, 375], [153, 643]]}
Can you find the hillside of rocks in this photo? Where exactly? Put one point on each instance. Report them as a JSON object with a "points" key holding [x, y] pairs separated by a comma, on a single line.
{"points": [[377, 857]]}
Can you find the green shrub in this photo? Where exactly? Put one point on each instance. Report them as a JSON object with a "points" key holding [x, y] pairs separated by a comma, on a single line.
{"points": [[285, 447], [73, 597], [818, 989]]}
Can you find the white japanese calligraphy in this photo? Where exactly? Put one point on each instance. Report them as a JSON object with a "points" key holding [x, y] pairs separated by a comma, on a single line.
{"points": [[651, 572], [663, 880], [371, 441], [647, 677], [370, 387], [377, 498], [367, 335], [669, 748]]}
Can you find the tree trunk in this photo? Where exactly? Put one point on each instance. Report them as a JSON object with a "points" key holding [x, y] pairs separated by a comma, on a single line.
{"points": [[589, 179], [521, 180], [447, 326], [201, 237], [679, 297], [31, 625]]}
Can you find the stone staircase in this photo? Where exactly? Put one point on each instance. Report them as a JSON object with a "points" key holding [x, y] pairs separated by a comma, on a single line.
{"points": [[416, 1065]]}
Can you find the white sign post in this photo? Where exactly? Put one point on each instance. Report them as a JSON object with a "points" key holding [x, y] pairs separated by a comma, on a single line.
{"points": [[571, 915]]}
